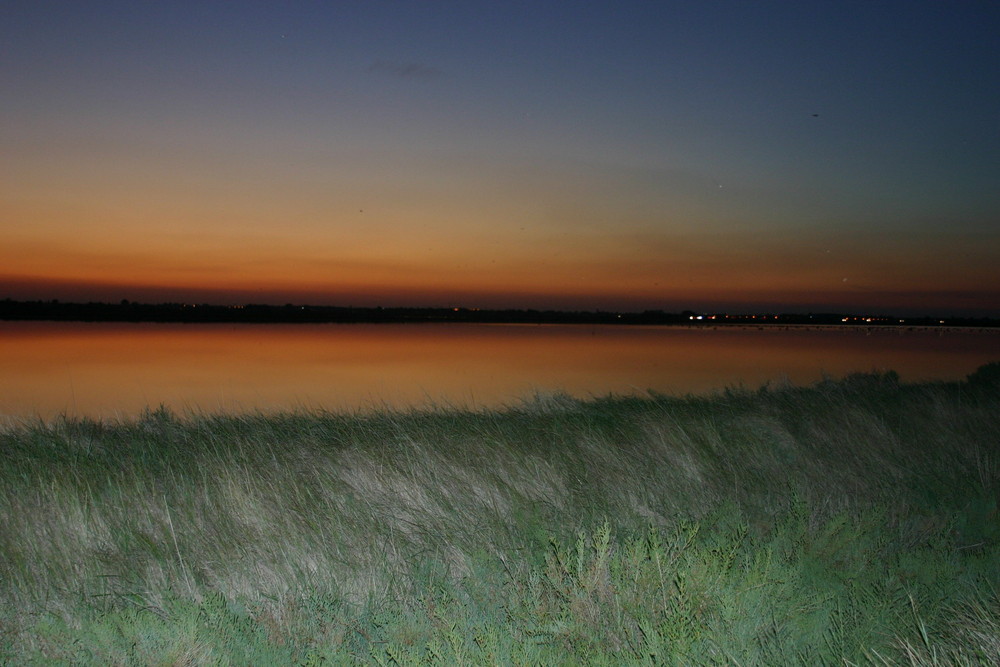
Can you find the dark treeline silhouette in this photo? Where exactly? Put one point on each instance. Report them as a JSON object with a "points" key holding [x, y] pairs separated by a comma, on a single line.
{"points": [[127, 311]]}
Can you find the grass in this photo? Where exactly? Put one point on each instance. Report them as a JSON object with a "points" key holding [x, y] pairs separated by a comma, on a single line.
{"points": [[853, 522]]}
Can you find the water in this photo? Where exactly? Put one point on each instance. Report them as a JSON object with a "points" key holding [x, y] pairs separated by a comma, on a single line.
{"points": [[116, 370]]}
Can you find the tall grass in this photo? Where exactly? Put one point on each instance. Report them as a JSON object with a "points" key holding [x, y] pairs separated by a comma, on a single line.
{"points": [[851, 522]]}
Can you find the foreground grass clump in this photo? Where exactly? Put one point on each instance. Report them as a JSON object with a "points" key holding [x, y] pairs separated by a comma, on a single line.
{"points": [[852, 522]]}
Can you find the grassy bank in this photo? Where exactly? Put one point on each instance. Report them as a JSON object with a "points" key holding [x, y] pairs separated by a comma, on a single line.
{"points": [[852, 522]]}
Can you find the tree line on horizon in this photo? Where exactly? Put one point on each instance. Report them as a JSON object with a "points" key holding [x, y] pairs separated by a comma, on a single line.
{"points": [[130, 311]]}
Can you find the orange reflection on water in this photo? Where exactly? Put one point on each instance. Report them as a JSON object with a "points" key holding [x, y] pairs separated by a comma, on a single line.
{"points": [[109, 370]]}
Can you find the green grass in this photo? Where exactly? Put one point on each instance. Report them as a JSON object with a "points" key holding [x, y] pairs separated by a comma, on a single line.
{"points": [[853, 522]]}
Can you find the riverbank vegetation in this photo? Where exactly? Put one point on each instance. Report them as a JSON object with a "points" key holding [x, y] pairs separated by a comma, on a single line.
{"points": [[850, 522]]}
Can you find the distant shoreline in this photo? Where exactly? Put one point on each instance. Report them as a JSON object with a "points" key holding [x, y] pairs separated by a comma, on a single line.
{"points": [[126, 311], [763, 329]]}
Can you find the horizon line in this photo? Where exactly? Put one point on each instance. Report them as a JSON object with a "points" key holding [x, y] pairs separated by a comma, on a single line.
{"points": [[697, 315]]}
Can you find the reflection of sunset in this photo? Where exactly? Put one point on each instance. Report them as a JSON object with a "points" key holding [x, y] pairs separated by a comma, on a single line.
{"points": [[118, 369]]}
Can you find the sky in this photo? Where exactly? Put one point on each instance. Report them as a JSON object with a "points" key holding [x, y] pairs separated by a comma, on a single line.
{"points": [[713, 156]]}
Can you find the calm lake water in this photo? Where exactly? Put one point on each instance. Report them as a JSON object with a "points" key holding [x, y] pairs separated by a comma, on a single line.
{"points": [[116, 370]]}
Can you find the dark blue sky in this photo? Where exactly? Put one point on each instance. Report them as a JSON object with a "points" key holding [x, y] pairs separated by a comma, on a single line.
{"points": [[795, 155]]}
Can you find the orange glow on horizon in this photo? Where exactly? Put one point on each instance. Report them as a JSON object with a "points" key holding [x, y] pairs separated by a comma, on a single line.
{"points": [[375, 257]]}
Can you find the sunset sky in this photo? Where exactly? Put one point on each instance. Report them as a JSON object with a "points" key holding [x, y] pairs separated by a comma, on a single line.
{"points": [[791, 156]]}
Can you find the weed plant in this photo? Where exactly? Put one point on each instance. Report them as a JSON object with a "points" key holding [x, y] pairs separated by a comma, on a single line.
{"points": [[850, 522]]}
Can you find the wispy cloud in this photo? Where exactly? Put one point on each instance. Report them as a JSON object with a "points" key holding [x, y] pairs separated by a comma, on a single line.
{"points": [[405, 70]]}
